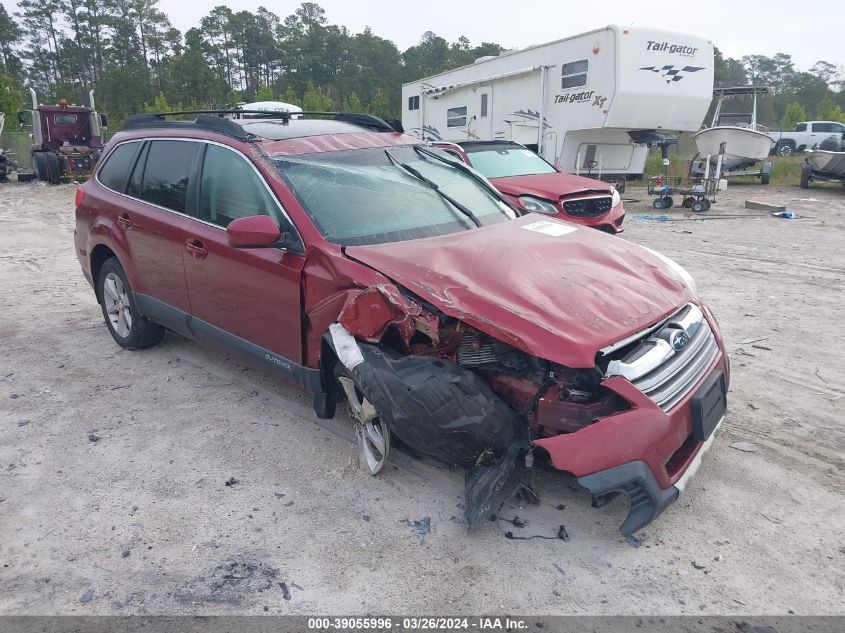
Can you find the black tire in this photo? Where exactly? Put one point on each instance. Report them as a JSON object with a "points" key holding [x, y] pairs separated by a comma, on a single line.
{"points": [[805, 182], [658, 203], [785, 149], [54, 169], [668, 202], [699, 206], [764, 179], [707, 204], [39, 165], [688, 202], [139, 332]]}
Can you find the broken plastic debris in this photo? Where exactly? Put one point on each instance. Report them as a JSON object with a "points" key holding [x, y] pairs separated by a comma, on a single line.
{"points": [[789, 215], [745, 447]]}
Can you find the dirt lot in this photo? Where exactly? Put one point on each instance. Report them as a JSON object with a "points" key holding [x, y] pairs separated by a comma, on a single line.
{"points": [[113, 464]]}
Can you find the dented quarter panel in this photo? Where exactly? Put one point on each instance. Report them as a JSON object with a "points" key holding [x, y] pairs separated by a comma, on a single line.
{"points": [[561, 298]]}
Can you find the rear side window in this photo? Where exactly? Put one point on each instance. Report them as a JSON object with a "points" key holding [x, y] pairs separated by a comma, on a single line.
{"points": [[114, 172], [230, 189], [166, 173]]}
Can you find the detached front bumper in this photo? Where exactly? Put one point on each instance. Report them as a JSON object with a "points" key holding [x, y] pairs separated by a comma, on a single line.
{"points": [[647, 499], [645, 452]]}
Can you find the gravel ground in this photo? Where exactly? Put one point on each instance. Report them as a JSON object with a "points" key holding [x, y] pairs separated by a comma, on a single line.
{"points": [[113, 464]]}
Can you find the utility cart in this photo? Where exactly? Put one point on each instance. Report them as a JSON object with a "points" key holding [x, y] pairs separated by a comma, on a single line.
{"points": [[696, 194]]}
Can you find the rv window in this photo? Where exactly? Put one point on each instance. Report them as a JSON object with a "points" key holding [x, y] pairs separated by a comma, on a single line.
{"points": [[483, 105], [414, 102], [64, 119], [574, 74], [456, 117]]}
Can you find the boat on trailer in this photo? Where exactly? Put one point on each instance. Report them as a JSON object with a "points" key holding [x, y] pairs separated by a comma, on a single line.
{"points": [[746, 143]]}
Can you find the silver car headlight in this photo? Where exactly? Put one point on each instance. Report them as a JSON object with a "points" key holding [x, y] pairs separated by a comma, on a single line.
{"points": [[616, 197], [535, 205], [682, 272]]}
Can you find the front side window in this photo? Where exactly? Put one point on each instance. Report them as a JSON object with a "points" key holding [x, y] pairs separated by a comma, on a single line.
{"points": [[456, 117], [363, 197], [504, 161], [574, 74], [801, 127], [230, 189], [166, 173], [114, 172]]}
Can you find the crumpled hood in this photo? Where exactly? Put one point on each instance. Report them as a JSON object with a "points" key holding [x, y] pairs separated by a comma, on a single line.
{"points": [[548, 186], [548, 287]]}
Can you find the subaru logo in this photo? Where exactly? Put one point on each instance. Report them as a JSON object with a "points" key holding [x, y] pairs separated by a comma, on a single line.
{"points": [[678, 339]]}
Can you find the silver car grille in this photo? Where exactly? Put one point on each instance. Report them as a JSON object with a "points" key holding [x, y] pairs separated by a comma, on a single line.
{"points": [[670, 359]]}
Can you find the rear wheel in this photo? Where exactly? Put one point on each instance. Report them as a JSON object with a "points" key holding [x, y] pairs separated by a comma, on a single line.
{"points": [[39, 165], [659, 203], [699, 206], [372, 431], [54, 169], [128, 328]]}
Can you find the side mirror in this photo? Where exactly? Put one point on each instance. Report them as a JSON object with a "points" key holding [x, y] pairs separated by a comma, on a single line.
{"points": [[104, 122], [255, 231], [22, 117]]}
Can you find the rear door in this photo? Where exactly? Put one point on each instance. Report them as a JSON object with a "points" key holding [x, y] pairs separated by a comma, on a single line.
{"points": [[246, 299], [152, 217]]}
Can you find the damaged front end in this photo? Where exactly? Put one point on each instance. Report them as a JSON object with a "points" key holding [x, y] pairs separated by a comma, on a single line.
{"points": [[452, 392]]}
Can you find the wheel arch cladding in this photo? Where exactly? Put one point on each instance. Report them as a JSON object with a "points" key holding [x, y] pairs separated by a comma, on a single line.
{"points": [[99, 254]]}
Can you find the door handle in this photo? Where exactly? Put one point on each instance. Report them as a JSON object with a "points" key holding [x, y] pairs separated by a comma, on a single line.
{"points": [[196, 248], [125, 221]]}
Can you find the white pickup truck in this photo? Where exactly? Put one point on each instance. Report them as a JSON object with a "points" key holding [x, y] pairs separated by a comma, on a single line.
{"points": [[805, 136]]}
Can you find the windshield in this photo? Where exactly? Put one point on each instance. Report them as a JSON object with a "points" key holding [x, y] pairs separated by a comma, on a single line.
{"points": [[504, 161], [363, 197]]}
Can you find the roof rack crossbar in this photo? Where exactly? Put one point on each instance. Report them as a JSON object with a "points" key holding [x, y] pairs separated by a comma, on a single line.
{"points": [[213, 120]]}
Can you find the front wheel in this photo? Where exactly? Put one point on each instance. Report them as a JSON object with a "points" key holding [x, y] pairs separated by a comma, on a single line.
{"points": [[372, 431], [128, 328], [785, 149]]}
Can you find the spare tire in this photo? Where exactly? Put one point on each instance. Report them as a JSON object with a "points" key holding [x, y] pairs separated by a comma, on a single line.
{"points": [[830, 144]]}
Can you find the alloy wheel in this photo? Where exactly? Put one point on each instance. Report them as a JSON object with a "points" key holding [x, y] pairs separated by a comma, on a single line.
{"points": [[373, 433], [117, 304]]}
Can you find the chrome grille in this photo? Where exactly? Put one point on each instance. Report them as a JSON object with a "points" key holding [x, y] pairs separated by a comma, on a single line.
{"points": [[660, 370]]}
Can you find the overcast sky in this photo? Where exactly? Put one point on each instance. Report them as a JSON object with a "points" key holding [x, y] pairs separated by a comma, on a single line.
{"points": [[809, 31]]}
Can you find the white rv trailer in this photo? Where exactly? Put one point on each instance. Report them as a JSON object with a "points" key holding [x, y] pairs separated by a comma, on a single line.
{"points": [[602, 97]]}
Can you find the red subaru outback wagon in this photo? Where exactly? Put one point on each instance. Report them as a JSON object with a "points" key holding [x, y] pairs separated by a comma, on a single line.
{"points": [[364, 266]]}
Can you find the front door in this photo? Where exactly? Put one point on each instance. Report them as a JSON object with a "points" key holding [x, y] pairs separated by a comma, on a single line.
{"points": [[245, 299]]}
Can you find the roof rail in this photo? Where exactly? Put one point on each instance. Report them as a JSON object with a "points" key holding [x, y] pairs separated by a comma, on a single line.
{"points": [[213, 120], [204, 120]]}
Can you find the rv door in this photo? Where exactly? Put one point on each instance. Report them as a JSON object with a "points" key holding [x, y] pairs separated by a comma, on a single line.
{"points": [[485, 113]]}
